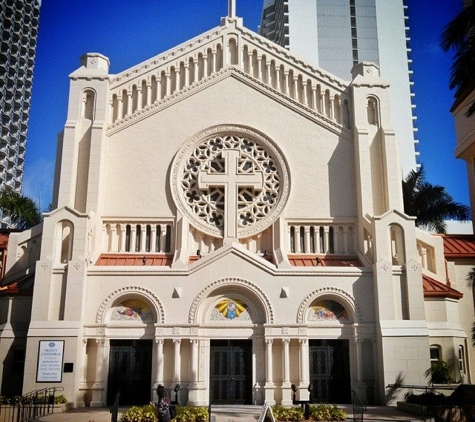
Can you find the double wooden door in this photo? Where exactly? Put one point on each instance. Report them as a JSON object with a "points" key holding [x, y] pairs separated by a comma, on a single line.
{"points": [[130, 372], [330, 371], [231, 372]]}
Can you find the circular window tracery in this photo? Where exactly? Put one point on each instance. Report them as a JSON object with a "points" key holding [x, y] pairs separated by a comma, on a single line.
{"points": [[230, 181]]}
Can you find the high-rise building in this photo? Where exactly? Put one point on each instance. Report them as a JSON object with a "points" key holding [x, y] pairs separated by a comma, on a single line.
{"points": [[336, 35], [19, 21]]}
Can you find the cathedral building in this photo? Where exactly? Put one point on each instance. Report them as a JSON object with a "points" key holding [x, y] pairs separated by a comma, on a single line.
{"points": [[228, 219]]}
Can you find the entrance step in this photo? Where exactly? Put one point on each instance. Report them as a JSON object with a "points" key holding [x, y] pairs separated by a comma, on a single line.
{"points": [[239, 413]]}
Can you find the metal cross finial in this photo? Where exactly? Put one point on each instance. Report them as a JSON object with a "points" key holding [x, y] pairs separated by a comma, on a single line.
{"points": [[231, 8]]}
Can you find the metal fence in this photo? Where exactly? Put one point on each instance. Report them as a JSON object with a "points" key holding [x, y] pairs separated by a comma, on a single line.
{"points": [[30, 406]]}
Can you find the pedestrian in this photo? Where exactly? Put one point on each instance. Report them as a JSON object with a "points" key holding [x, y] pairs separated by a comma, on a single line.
{"points": [[162, 405]]}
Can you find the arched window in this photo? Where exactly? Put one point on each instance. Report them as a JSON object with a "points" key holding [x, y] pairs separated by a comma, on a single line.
{"points": [[435, 354], [64, 240], [397, 244], [372, 111], [88, 105]]}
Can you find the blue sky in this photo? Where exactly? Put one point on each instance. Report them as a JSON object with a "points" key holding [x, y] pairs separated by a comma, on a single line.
{"points": [[131, 32]]}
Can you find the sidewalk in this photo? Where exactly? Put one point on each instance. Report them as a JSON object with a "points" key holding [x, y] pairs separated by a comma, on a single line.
{"points": [[226, 414]]}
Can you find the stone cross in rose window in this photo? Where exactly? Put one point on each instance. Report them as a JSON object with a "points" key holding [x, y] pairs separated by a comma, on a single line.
{"points": [[231, 180]]}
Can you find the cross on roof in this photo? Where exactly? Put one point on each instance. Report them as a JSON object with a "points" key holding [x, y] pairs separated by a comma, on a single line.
{"points": [[231, 180], [231, 8]]}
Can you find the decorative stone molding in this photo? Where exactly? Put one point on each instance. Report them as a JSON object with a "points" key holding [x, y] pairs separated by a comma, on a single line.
{"points": [[231, 282], [131, 291], [342, 297]]}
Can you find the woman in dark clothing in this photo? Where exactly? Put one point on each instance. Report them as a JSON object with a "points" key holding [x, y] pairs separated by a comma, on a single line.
{"points": [[163, 405]]}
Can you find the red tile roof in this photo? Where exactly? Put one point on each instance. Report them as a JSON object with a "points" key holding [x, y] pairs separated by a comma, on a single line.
{"points": [[434, 288], [134, 260], [324, 261], [4, 240], [459, 246]]}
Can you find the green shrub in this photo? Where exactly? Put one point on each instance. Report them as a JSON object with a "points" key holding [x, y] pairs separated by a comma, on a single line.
{"points": [[148, 414], [324, 412], [138, 414], [60, 399], [287, 413], [191, 414]]}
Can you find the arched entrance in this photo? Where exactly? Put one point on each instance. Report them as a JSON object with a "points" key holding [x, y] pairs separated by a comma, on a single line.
{"points": [[234, 312], [330, 324], [130, 359]]}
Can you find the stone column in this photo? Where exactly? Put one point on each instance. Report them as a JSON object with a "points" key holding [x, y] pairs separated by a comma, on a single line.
{"points": [[177, 361], [286, 390], [98, 386], [304, 369], [270, 386], [159, 361]]}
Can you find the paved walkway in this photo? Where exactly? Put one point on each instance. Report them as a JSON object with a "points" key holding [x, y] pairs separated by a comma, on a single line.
{"points": [[227, 414]]}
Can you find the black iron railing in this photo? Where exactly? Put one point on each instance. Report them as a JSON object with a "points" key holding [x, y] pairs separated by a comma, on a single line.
{"points": [[29, 406]]}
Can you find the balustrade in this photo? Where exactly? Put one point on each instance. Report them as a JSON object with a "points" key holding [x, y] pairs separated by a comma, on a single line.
{"points": [[138, 237], [321, 238]]}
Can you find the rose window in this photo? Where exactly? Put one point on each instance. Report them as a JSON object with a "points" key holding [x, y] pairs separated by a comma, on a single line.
{"points": [[231, 183]]}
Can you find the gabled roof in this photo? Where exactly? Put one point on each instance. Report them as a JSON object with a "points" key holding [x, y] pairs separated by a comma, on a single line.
{"points": [[436, 289], [459, 246], [226, 51]]}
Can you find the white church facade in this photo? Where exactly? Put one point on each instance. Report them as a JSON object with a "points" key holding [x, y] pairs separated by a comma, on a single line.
{"points": [[229, 219]]}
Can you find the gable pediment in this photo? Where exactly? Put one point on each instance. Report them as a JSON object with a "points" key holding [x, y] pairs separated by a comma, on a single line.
{"points": [[228, 51]]}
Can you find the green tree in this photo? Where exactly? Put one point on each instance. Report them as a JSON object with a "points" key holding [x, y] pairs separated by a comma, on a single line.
{"points": [[459, 35], [430, 204], [19, 211]]}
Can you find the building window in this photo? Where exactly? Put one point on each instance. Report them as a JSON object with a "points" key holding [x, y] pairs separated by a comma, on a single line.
{"points": [[435, 355]]}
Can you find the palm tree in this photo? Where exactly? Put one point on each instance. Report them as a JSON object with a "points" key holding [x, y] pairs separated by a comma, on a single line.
{"points": [[430, 204], [20, 211], [459, 35]]}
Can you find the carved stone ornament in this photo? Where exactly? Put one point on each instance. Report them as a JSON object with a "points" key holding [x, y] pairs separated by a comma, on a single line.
{"points": [[230, 182]]}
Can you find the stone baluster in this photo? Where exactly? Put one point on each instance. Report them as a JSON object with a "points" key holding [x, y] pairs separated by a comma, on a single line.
{"points": [[143, 237], [313, 99], [133, 238], [139, 98], [122, 237], [163, 237], [268, 72], [326, 234], [295, 87], [167, 84], [153, 238], [148, 93], [285, 85], [186, 67], [307, 239]]}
